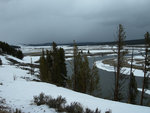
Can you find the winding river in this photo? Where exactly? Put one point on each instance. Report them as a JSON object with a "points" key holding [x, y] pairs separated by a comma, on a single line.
{"points": [[107, 81]]}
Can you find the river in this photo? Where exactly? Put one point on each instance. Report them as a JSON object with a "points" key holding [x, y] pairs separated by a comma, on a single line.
{"points": [[107, 81]]}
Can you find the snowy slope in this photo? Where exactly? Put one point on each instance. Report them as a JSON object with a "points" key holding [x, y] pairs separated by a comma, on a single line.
{"points": [[19, 94]]}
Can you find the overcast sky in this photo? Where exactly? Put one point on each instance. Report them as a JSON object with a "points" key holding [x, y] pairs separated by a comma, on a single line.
{"points": [[39, 21]]}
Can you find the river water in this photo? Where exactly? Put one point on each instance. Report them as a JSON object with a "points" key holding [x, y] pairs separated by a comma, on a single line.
{"points": [[107, 81]]}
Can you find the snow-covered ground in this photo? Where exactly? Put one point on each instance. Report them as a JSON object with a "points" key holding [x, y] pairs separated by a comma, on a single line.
{"points": [[147, 91], [137, 62], [125, 70], [28, 59], [19, 93], [94, 49]]}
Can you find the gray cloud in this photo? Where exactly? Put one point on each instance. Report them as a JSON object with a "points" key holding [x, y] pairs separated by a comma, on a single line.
{"points": [[38, 21]]}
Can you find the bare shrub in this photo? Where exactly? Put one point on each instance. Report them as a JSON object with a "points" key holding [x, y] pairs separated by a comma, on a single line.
{"points": [[17, 111], [75, 107], [87, 110], [40, 100], [59, 104], [109, 111]]}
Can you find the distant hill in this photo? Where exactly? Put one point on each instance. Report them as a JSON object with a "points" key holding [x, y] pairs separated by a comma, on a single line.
{"points": [[128, 42]]}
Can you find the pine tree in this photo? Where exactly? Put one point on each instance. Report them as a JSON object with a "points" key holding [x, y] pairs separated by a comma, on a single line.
{"points": [[84, 78], [76, 59], [49, 66], [86, 74], [119, 78], [83, 75], [88, 51], [53, 67], [132, 85], [43, 68], [19, 54], [78, 73], [11, 50], [94, 80], [62, 66], [146, 66]]}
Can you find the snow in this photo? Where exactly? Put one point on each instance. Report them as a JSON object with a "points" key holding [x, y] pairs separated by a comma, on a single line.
{"points": [[30, 49], [21, 98], [101, 65], [69, 49], [27, 59], [19, 92], [68, 58], [16, 59], [138, 57], [4, 61], [147, 91]]}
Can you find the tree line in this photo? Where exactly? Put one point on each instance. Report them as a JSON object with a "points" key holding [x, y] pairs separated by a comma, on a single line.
{"points": [[53, 70], [120, 78], [53, 67], [7, 49], [84, 78]]}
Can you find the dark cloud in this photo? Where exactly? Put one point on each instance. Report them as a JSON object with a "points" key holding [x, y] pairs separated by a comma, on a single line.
{"points": [[38, 21]]}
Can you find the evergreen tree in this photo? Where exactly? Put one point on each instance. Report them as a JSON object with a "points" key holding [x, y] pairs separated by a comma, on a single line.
{"points": [[62, 66], [53, 67], [83, 75], [88, 52], [19, 54], [77, 76], [94, 80], [59, 72], [146, 66], [43, 68], [49, 65], [132, 89], [11, 50], [119, 78], [132, 85], [76, 61], [84, 78]]}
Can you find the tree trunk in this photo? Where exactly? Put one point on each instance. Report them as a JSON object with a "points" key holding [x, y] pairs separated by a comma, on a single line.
{"points": [[143, 87], [118, 68]]}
